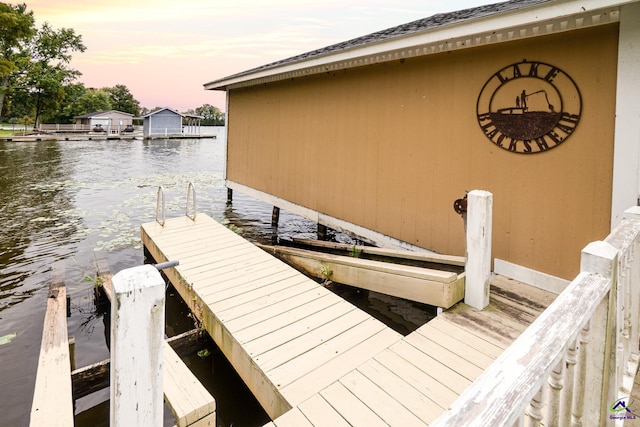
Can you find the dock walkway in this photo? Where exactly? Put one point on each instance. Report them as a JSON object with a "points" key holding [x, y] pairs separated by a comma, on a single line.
{"points": [[307, 355], [286, 336], [417, 378]]}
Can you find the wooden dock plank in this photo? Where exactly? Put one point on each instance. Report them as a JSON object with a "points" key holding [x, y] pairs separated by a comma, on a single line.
{"points": [[52, 396], [453, 343], [263, 296], [417, 378], [526, 295], [450, 329], [287, 373], [350, 407], [416, 402], [237, 284], [319, 412], [267, 306], [187, 398], [229, 277], [442, 351], [221, 254], [292, 349], [176, 226], [379, 401], [206, 237], [487, 323], [281, 336], [245, 288], [344, 362], [224, 260], [438, 369], [291, 318], [293, 418]]}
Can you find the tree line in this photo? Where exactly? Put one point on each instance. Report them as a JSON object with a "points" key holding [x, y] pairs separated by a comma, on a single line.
{"points": [[37, 84]]}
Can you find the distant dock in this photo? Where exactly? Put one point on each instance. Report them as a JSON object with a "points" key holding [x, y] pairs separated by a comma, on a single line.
{"points": [[96, 137]]}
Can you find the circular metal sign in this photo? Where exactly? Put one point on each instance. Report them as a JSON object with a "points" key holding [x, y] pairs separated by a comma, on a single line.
{"points": [[529, 107]]}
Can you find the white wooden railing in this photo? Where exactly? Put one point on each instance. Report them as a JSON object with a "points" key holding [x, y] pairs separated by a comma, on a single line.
{"points": [[576, 363], [64, 127], [74, 127]]}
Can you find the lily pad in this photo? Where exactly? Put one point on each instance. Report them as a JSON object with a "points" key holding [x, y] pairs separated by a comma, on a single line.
{"points": [[7, 338], [204, 353]]}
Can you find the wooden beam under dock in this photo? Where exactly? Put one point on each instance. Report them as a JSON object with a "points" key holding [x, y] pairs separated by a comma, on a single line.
{"points": [[427, 286], [52, 402]]}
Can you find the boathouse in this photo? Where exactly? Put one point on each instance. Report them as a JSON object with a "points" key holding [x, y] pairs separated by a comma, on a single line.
{"points": [[534, 101], [170, 123], [164, 122], [110, 120]]}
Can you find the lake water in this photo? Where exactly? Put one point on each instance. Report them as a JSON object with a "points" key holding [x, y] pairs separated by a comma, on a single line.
{"points": [[72, 201]]}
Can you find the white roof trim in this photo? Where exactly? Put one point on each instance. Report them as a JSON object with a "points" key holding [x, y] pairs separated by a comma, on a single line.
{"points": [[537, 20]]}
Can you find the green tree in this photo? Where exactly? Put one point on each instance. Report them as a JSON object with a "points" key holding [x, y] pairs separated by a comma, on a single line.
{"points": [[71, 104], [38, 65], [91, 101], [212, 116], [122, 99], [47, 71], [16, 29]]}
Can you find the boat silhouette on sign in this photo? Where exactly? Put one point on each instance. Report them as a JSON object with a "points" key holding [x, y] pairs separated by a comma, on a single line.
{"points": [[519, 122]]}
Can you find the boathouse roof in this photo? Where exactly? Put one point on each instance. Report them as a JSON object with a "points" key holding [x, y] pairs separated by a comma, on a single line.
{"points": [[101, 113], [443, 32], [172, 111]]}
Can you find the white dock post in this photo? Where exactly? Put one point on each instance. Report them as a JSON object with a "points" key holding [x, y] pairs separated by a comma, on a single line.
{"points": [[137, 338], [478, 265]]}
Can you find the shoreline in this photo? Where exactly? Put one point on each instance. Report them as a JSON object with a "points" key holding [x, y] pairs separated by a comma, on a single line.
{"points": [[97, 137]]}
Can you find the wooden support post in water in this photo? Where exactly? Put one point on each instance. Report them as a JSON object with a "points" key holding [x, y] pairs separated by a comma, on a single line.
{"points": [[275, 216], [229, 195], [72, 352], [322, 232], [478, 265], [137, 339]]}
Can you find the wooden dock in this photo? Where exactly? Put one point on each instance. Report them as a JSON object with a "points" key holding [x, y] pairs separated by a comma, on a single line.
{"points": [[308, 355], [417, 378]]}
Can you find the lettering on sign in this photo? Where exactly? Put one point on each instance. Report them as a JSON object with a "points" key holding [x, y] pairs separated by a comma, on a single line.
{"points": [[529, 107]]}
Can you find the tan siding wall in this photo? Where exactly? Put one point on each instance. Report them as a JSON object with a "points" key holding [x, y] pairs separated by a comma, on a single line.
{"points": [[390, 147]]}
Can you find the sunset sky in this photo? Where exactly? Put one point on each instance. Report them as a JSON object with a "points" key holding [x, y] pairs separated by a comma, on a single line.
{"points": [[165, 50]]}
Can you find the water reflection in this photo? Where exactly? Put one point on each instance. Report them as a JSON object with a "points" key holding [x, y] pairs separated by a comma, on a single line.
{"points": [[37, 216], [71, 200], [75, 200]]}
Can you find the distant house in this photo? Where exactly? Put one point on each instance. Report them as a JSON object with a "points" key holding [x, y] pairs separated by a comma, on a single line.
{"points": [[381, 134], [169, 123], [110, 120]]}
